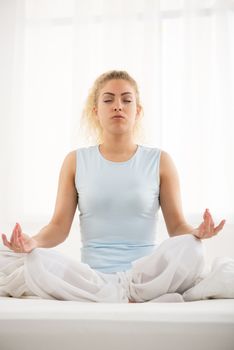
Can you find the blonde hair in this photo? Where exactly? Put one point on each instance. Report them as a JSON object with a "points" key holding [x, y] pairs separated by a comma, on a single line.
{"points": [[89, 124]]}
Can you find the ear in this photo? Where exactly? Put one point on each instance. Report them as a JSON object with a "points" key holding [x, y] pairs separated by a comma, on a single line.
{"points": [[138, 112], [95, 111]]}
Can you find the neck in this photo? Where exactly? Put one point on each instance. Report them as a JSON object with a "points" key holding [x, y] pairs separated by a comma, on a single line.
{"points": [[118, 147]]}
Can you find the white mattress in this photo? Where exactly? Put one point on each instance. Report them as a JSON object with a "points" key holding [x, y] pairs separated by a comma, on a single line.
{"points": [[52, 324]]}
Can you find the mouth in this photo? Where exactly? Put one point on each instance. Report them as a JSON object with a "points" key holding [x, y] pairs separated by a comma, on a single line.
{"points": [[117, 117]]}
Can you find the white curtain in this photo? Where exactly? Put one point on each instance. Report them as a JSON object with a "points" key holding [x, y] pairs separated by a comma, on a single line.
{"points": [[180, 52]]}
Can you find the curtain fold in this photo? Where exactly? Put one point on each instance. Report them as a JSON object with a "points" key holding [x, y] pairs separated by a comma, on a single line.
{"points": [[181, 53]]}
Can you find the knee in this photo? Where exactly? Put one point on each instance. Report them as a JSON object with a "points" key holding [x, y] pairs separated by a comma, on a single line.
{"points": [[191, 239], [194, 247], [190, 243]]}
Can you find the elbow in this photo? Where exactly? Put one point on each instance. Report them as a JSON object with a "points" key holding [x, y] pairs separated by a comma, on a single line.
{"points": [[61, 231]]}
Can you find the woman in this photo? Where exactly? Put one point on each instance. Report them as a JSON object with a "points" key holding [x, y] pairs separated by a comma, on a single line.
{"points": [[118, 186]]}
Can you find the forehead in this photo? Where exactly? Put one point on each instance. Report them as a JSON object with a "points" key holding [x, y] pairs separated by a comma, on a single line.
{"points": [[117, 86]]}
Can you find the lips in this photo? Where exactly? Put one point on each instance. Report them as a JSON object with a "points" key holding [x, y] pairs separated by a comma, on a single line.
{"points": [[118, 116]]}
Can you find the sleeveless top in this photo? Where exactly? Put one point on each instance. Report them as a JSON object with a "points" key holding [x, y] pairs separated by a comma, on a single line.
{"points": [[118, 204]]}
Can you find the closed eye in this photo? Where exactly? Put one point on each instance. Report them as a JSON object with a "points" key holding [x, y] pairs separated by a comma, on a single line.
{"points": [[111, 101]]}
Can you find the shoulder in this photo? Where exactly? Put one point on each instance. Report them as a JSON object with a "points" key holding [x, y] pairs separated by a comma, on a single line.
{"points": [[167, 165], [69, 162], [149, 151]]}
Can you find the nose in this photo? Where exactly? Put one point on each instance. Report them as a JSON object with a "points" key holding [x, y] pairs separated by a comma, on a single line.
{"points": [[118, 106], [117, 109]]}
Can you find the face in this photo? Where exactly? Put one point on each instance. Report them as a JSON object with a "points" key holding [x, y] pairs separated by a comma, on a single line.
{"points": [[117, 98]]}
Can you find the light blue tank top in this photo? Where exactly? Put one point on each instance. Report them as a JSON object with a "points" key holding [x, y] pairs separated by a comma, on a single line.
{"points": [[118, 204]]}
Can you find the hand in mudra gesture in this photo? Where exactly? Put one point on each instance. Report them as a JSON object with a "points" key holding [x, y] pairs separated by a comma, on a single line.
{"points": [[207, 228], [19, 242]]}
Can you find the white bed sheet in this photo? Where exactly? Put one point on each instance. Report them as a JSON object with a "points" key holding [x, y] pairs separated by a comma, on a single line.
{"points": [[53, 324]]}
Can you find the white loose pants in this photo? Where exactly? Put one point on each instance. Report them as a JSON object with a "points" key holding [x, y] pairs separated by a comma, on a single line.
{"points": [[173, 267]]}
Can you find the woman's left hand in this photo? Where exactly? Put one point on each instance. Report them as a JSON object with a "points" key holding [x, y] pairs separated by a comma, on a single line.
{"points": [[207, 228]]}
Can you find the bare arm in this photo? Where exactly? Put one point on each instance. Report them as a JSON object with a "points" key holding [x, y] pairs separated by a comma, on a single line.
{"points": [[170, 198], [58, 228], [50, 236], [66, 202], [171, 204]]}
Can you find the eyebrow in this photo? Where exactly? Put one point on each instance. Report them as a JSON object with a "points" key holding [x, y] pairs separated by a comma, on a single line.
{"points": [[110, 93]]}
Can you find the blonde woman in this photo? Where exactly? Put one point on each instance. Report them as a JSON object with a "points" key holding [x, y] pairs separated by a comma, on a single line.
{"points": [[119, 186]]}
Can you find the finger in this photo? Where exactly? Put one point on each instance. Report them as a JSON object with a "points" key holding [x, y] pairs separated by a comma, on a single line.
{"points": [[13, 235], [18, 234], [219, 227], [5, 241], [15, 242], [208, 229], [17, 239], [11, 239], [19, 227], [207, 223], [211, 219], [21, 244], [19, 230], [4, 238], [206, 226], [204, 215]]}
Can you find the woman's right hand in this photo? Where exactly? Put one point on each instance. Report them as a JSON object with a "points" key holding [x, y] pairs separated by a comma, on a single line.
{"points": [[20, 242]]}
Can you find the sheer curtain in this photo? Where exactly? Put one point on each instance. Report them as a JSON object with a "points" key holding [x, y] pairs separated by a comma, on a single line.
{"points": [[180, 52]]}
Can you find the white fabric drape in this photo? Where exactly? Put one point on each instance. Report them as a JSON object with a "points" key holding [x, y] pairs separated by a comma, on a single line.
{"points": [[180, 52]]}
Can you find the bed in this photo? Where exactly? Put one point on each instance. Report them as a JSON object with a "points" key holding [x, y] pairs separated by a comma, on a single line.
{"points": [[33, 323]]}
